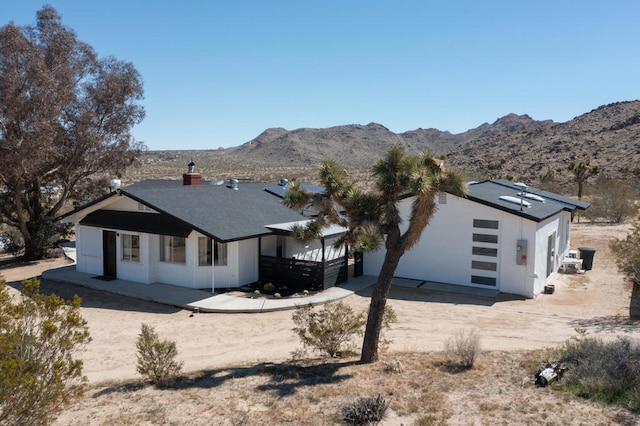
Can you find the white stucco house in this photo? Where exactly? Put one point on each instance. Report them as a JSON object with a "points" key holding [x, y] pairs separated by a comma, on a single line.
{"points": [[503, 236], [203, 235]]}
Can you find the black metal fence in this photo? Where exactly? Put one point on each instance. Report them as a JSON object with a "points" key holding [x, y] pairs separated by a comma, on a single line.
{"points": [[303, 274]]}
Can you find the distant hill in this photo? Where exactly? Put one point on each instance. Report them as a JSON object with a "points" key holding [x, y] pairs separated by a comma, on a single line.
{"points": [[513, 146], [363, 144], [608, 136]]}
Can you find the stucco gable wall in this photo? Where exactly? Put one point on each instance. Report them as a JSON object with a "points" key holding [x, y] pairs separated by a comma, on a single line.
{"points": [[444, 252], [126, 204]]}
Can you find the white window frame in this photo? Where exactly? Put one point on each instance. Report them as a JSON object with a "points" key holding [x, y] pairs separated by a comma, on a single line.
{"points": [[204, 251], [130, 248], [220, 254], [173, 249]]}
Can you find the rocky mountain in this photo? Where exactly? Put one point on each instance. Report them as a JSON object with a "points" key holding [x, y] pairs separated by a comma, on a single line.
{"points": [[608, 136], [362, 144], [513, 146]]}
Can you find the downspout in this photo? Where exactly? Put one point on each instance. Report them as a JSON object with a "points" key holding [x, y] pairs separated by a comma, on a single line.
{"points": [[213, 269], [323, 260]]}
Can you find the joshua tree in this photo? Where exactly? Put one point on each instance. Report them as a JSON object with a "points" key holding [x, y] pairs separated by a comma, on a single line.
{"points": [[582, 171], [373, 218]]}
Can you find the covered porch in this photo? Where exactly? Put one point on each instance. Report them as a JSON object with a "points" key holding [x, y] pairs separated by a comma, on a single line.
{"points": [[314, 266]]}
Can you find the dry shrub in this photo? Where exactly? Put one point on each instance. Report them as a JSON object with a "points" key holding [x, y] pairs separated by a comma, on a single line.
{"points": [[365, 410], [463, 348]]}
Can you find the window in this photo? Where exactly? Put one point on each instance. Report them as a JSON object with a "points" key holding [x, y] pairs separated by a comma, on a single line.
{"points": [[173, 249], [489, 224], [204, 251], [130, 247], [484, 238], [487, 266], [484, 251], [476, 279], [220, 254]]}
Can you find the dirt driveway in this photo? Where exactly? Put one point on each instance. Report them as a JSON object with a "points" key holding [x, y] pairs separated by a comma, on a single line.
{"points": [[597, 301]]}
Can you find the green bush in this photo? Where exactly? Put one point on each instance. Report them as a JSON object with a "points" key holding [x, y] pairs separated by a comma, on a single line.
{"points": [[364, 411], [156, 358], [607, 372], [328, 330], [269, 288], [331, 330], [39, 336]]}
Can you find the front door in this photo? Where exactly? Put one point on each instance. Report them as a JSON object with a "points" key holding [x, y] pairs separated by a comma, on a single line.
{"points": [[109, 254], [358, 263], [551, 254]]}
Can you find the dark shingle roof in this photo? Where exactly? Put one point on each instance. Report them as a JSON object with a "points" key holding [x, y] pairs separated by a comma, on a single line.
{"points": [[218, 211], [489, 192]]}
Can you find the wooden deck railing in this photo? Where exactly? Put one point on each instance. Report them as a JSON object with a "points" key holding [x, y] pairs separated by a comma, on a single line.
{"points": [[303, 274]]}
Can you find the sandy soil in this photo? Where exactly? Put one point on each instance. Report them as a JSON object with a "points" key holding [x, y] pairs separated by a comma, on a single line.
{"points": [[597, 301]]}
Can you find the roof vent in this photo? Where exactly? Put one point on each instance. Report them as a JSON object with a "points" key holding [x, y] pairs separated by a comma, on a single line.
{"points": [[521, 185], [233, 184], [531, 196], [284, 182], [515, 200], [115, 184]]}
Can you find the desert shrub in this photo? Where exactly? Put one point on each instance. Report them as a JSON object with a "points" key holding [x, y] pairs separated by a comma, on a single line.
{"points": [[364, 410], [269, 288], [463, 348], [627, 258], [156, 358], [613, 201], [627, 253], [332, 329], [39, 336], [328, 330], [607, 372]]}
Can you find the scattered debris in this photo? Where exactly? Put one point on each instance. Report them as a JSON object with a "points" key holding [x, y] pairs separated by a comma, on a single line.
{"points": [[549, 372], [396, 367]]}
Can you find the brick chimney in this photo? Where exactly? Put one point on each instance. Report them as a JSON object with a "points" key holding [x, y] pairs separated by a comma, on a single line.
{"points": [[191, 177]]}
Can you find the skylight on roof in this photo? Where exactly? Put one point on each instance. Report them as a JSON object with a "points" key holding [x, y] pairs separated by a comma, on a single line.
{"points": [[515, 200], [531, 196]]}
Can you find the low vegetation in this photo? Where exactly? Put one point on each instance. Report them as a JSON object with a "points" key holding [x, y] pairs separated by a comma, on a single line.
{"points": [[331, 330], [156, 358], [463, 349], [365, 410], [627, 257], [498, 390], [603, 371], [39, 339], [613, 201]]}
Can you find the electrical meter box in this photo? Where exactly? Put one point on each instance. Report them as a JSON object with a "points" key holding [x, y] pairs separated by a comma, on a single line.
{"points": [[521, 252]]}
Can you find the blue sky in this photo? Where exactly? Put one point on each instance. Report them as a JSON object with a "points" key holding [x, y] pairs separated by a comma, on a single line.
{"points": [[218, 73]]}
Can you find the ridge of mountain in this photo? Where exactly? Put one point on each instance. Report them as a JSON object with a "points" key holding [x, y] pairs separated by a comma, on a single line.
{"points": [[513, 146], [608, 136], [356, 144]]}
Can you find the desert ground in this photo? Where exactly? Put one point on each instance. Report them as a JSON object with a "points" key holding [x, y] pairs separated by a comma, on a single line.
{"points": [[596, 301]]}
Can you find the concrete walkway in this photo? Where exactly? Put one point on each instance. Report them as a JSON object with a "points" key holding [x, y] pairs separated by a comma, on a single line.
{"points": [[205, 301]]}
